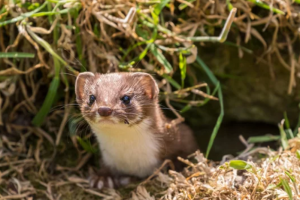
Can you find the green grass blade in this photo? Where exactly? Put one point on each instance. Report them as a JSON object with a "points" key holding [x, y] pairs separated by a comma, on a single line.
{"points": [[284, 141], [31, 6], [3, 16], [3, 10], [39, 118], [249, 51], [210, 75], [290, 176], [79, 44], [23, 16], [161, 58], [142, 33], [185, 108], [229, 5], [183, 5], [171, 81], [16, 55], [86, 145], [182, 67], [287, 188], [206, 100], [289, 133], [137, 59], [265, 138], [131, 48], [49, 13], [158, 7], [271, 187], [298, 154], [73, 124], [47, 46], [265, 6], [239, 164], [286, 121], [41, 115], [155, 16], [144, 52], [220, 96]]}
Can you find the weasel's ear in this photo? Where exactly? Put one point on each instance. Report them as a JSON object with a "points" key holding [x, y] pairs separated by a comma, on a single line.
{"points": [[81, 80], [147, 82]]}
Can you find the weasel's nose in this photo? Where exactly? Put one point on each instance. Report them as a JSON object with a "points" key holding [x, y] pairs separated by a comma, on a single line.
{"points": [[104, 111]]}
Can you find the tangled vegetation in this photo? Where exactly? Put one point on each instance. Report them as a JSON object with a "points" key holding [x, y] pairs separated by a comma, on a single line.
{"points": [[44, 44]]}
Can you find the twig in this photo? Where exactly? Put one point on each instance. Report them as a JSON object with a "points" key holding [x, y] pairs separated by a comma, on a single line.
{"points": [[158, 170], [223, 36]]}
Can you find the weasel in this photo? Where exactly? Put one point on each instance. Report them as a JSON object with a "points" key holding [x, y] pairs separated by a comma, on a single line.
{"points": [[123, 112]]}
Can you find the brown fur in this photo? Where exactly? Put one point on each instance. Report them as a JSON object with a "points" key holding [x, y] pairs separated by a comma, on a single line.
{"points": [[143, 90]]}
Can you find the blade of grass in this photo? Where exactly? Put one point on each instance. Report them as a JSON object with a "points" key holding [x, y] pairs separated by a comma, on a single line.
{"points": [[265, 138], [42, 113], [293, 179], [46, 46], [182, 67], [31, 6], [86, 145], [229, 5], [223, 36], [290, 176], [137, 59], [265, 6], [40, 14], [79, 43], [158, 7], [3, 16], [239, 164], [23, 16], [161, 58], [239, 46], [298, 154], [220, 96], [206, 100], [283, 138], [171, 81], [286, 121], [183, 5], [287, 188], [155, 16], [40, 116], [131, 48], [290, 133], [16, 55], [73, 123], [185, 108]]}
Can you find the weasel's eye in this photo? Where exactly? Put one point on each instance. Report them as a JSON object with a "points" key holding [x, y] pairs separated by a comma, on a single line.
{"points": [[92, 99], [126, 99]]}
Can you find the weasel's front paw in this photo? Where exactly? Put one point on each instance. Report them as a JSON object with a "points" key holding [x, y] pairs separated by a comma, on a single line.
{"points": [[101, 182]]}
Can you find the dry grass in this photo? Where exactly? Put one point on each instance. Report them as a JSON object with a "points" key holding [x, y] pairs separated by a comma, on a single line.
{"points": [[275, 176], [38, 160], [268, 175]]}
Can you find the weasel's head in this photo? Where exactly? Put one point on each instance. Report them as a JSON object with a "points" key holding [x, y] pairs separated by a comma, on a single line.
{"points": [[116, 98]]}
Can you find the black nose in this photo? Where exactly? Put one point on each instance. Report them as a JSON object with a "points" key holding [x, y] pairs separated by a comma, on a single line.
{"points": [[104, 111]]}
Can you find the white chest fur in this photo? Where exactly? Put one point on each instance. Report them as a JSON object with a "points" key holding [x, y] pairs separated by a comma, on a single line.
{"points": [[129, 150]]}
